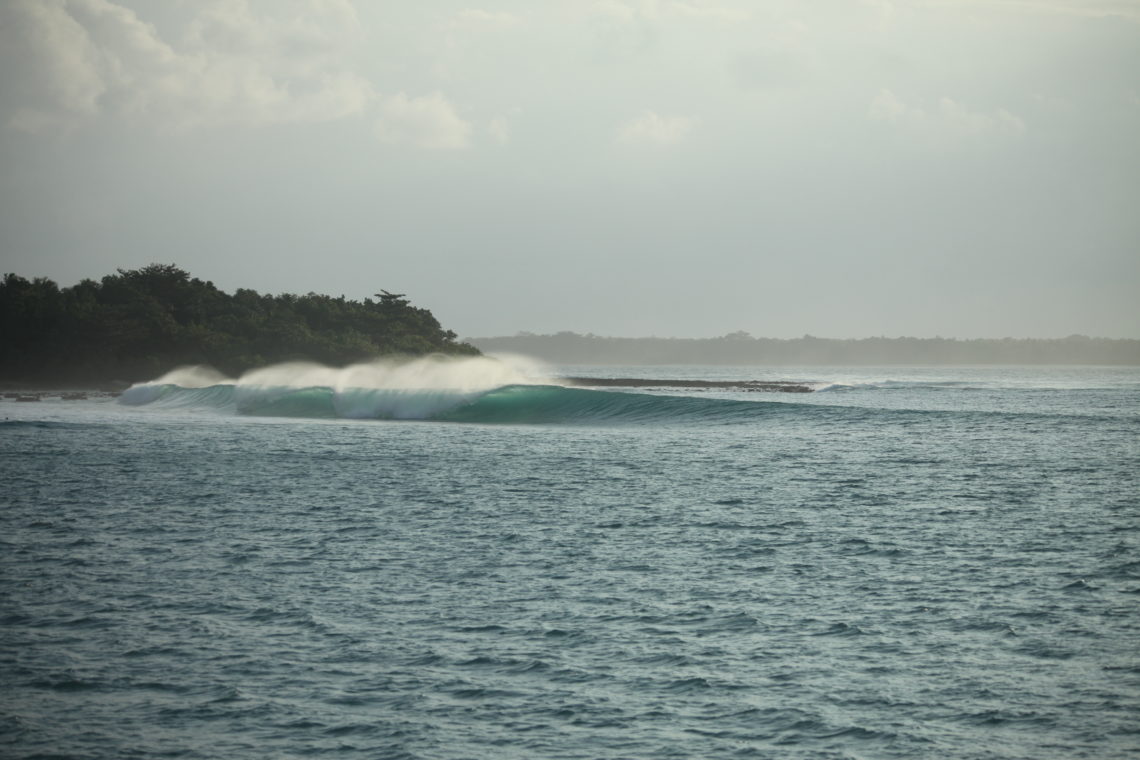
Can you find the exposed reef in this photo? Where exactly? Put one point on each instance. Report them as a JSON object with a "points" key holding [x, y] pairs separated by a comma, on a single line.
{"points": [[767, 386]]}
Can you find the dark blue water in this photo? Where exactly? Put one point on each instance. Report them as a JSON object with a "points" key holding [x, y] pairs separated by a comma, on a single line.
{"points": [[903, 565]]}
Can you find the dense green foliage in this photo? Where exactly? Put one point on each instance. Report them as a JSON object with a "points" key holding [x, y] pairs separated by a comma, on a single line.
{"points": [[740, 348], [137, 324]]}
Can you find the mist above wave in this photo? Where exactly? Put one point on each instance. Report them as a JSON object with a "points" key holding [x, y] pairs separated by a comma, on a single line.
{"points": [[420, 388], [429, 373]]}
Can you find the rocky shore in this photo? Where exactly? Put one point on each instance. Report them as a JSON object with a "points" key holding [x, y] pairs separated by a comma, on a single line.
{"points": [[64, 395]]}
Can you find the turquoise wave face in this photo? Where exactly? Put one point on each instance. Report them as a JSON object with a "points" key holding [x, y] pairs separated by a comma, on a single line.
{"points": [[512, 404], [548, 404]]}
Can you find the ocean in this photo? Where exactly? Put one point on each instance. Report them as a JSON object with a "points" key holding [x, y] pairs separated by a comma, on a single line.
{"points": [[448, 560]]}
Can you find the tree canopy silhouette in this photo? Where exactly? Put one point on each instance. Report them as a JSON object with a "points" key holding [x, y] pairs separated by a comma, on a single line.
{"points": [[137, 324]]}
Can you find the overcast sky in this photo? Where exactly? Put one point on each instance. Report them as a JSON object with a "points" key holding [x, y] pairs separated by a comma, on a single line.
{"points": [[622, 167]]}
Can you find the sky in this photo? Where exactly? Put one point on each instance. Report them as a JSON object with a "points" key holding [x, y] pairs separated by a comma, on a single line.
{"points": [[840, 168]]}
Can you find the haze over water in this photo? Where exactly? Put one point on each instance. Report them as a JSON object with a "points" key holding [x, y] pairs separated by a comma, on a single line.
{"points": [[905, 563]]}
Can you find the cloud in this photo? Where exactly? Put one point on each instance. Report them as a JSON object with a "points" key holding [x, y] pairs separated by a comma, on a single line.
{"points": [[713, 12], [948, 118], [624, 29], [499, 129], [615, 10], [82, 59], [48, 58], [477, 16], [632, 10], [653, 129], [1088, 8], [429, 121]]}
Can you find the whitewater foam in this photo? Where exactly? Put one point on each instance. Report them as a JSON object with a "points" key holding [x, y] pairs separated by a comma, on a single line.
{"points": [[434, 372], [420, 388]]}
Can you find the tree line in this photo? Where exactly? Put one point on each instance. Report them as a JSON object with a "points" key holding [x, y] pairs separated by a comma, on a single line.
{"points": [[740, 348], [137, 324]]}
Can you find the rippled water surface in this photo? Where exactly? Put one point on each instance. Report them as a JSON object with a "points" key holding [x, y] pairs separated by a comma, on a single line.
{"points": [[906, 564]]}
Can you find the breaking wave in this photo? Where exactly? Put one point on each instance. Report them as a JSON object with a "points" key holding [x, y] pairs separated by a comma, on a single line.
{"points": [[510, 404], [501, 390], [498, 390]]}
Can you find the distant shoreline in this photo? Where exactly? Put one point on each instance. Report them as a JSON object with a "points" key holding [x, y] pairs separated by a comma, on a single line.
{"points": [[741, 349]]}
